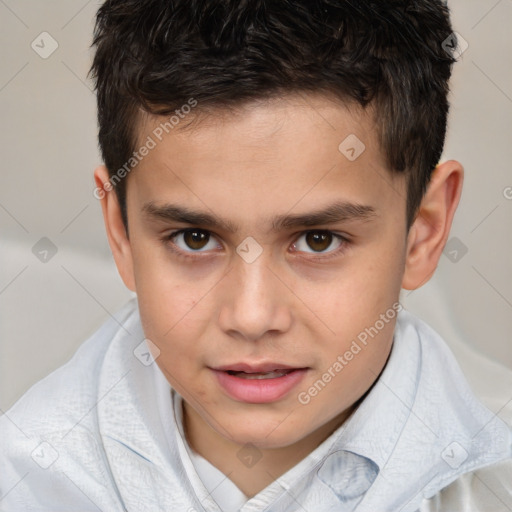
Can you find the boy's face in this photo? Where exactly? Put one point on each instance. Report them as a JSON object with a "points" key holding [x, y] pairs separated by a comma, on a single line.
{"points": [[212, 298]]}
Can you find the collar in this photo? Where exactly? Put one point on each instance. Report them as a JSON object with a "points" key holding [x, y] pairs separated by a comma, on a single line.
{"points": [[447, 432]]}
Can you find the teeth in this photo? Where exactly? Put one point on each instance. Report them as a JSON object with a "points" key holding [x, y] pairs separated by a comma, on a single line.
{"points": [[261, 375]]}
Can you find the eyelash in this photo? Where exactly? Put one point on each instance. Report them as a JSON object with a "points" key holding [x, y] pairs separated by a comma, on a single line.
{"points": [[167, 239]]}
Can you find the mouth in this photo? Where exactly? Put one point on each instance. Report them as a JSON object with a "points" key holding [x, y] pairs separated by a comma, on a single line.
{"points": [[264, 383], [274, 374]]}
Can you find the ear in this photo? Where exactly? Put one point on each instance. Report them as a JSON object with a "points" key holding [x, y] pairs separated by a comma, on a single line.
{"points": [[428, 234], [116, 233]]}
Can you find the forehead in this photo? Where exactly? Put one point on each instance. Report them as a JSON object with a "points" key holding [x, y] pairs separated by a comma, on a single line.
{"points": [[278, 152], [258, 120]]}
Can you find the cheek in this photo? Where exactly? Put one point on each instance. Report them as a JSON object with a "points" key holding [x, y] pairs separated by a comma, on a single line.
{"points": [[168, 296], [358, 296], [351, 366], [361, 310], [173, 318]]}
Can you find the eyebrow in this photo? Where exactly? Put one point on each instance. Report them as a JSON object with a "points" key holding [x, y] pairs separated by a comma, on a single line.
{"points": [[340, 211]]}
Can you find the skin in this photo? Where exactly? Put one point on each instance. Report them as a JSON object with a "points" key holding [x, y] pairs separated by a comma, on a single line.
{"points": [[298, 303]]}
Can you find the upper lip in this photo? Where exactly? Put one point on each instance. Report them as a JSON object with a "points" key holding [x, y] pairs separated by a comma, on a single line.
{"points": [[256, 368]]}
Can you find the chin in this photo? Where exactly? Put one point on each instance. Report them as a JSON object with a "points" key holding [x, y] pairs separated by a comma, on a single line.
{"points": [[265, 435]]}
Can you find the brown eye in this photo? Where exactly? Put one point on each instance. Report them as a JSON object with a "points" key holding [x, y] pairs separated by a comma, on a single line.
{"points": [[196, 239], [192, 240], [319, 241]]}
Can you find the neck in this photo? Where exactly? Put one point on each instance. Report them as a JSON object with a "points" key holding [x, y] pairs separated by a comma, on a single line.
{"points": [[224, 454]]}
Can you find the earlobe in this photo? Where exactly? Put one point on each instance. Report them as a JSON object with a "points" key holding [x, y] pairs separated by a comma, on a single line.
{"points": [[429, 231], [116, 233]]}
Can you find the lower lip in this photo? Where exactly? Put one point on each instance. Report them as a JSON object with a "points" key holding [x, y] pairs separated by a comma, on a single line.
{"points": [[259, 391]]}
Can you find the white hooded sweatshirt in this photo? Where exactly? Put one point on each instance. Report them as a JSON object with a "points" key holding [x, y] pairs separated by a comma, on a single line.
{"points": [[104, 432]]}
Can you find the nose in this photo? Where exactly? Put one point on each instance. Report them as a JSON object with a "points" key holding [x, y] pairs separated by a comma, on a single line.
{"points": [[256, 303]]}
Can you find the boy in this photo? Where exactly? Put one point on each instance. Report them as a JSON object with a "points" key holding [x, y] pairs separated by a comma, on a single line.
{"points": [[270, 185]]}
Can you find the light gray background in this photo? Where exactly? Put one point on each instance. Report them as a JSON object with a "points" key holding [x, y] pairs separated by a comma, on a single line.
{"points": [[49, 151]]}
